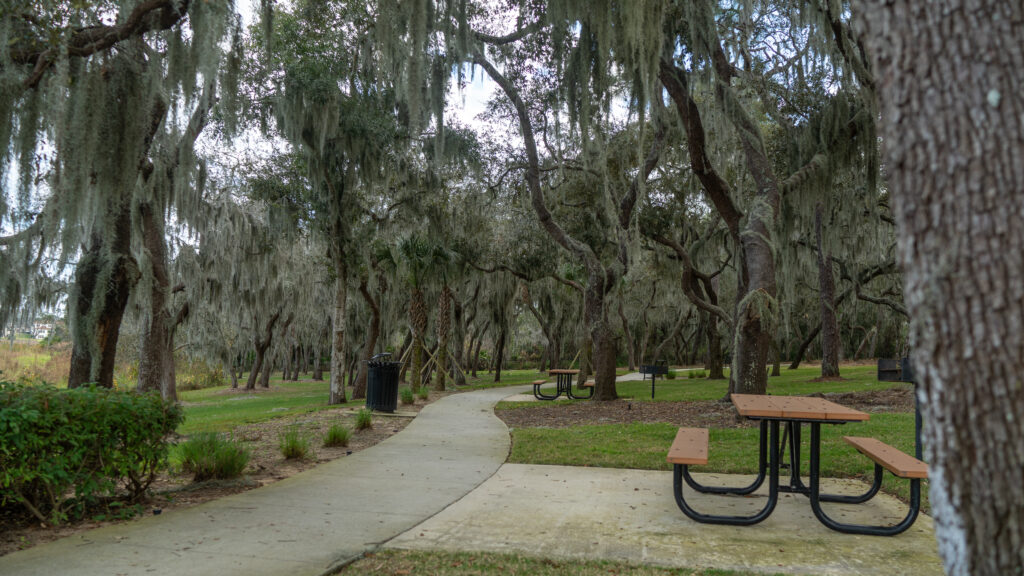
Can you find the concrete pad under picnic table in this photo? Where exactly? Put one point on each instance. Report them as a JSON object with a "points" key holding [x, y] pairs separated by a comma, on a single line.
{"points": [[631, 515]]}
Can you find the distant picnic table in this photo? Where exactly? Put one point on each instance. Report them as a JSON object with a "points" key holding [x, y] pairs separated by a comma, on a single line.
{"points": [[563, 385]]}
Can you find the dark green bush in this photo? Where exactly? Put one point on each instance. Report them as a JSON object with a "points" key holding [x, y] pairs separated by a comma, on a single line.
{"points": [[62, 450], [208, 455], [197, 375]]}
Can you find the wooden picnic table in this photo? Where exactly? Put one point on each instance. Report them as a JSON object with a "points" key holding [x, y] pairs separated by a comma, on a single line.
{"points": [[563, 385], [794, 411]]}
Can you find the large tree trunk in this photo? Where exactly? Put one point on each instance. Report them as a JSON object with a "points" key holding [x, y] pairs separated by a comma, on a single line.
{"points": [[443, 329], [260, 344], [268, 365], [156, 353], [418, 321], [827, 295], [630, 348], [716, 365], [337, 385], [476, 351], [802, 350], [499, 353], [359, 390], [104, 279], [459, 339], [953, 142]]}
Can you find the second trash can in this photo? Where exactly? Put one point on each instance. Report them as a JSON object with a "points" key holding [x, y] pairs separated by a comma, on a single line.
{"points": [[382, 383]]}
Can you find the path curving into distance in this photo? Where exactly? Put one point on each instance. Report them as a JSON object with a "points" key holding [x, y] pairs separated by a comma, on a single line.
{"points": [[311, 523]]}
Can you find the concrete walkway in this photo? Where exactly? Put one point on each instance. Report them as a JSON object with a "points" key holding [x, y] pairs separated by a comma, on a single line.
{"points": [[310, 523], [574, 513]]}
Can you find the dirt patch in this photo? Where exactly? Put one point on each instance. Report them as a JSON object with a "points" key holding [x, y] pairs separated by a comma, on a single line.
{"points": [[19, 531], [712, 414]]}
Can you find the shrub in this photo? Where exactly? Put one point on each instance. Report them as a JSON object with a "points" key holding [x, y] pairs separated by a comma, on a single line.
{"points": [[424, 393], [364, 419], [210, 456], [406, 394], [294, 444], [62, 450], [702, 374], [337, 435], [197, 375]]}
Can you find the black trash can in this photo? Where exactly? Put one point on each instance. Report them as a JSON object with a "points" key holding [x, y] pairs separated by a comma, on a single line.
{"points": [[382, 383]]}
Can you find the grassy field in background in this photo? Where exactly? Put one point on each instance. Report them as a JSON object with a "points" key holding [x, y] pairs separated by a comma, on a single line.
{"points": [[391, 562]]}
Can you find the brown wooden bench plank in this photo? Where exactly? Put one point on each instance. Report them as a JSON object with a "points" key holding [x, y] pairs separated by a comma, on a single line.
{"points": [[587, 384], [689, 447], [537, 382], [892, 459]]}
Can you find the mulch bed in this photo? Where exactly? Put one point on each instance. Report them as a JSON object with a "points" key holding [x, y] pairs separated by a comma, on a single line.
{"points": [[713, 414]]}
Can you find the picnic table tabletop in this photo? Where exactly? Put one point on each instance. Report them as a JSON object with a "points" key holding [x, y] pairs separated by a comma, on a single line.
{"points": [[799, 407], [563, 371]]}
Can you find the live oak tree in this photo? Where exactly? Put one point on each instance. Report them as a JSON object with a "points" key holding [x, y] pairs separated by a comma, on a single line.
{"points": [[951, 123], [90, 89]]}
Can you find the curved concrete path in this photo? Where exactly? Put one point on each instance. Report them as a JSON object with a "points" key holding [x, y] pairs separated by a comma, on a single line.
{"points": [[311, 523]]}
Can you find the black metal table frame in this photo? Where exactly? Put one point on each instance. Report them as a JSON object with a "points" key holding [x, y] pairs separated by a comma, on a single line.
{"points": [[770, 453], [563, 385]]}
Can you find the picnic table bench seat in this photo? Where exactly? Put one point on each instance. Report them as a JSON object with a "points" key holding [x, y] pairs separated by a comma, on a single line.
{"points": [[885, 457], [892, 459], [587, 384], [689, 447]]}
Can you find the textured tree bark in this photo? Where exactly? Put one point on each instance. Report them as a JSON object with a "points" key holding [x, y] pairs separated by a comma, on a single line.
{"points": [[458, 316], [630, 348], [443, 330], [953, 140], [802, 350], [499, 353], [260, 344], [104, 279], [318, 367], [418, 321], [827, 296], [337, 385], [359, 390], [716, 363], [268, 365]]}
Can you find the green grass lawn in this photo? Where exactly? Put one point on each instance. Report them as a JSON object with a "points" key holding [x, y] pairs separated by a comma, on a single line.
{"points": [[391, 562], [791, 382], [213, 410]]}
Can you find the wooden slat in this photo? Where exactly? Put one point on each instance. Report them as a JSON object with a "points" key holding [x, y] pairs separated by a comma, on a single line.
{"points": [[846, 414], [563, 371], [755, 405], [539, 382], [587, 384], [801, 408], [899, 463], [796, 407], [689, 447]]}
